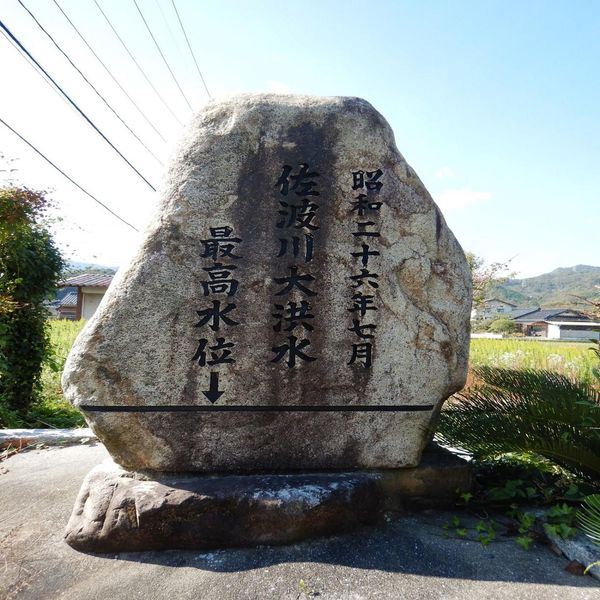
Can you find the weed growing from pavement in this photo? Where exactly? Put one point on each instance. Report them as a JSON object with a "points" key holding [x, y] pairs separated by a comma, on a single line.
{"points": [[305, 591], [531, 501]]}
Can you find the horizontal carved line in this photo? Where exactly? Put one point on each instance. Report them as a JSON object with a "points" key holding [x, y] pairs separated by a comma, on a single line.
{"points": [[261, 408]]}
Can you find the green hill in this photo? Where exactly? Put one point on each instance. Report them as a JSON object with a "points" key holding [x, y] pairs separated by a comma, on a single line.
{"points": [[556, 288], [79, 268]]}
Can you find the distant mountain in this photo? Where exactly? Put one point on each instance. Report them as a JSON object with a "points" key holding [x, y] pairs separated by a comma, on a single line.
{"points": [[556, 288], [77, 268]]}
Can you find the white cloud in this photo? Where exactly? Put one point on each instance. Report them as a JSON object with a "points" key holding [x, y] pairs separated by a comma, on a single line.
{"points": [[278, 87], [450, 199], [444, 173]]}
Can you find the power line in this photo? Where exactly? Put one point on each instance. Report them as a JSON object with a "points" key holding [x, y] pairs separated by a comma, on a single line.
{"points": [[33, 68], [162, 55], [22, 48], [112, 212], [171, 34], [191, 51], [137, 64], [110, 73], [90, 84]]}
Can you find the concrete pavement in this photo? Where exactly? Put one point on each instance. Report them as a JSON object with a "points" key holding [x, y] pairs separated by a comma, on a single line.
{"points": [[406, 558]]}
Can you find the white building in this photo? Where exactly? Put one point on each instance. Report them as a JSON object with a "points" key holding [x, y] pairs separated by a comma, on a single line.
{"points": [[557, 323], [492, 308]]}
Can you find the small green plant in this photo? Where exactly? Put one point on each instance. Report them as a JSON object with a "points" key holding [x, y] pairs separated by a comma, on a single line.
{"points": [[590, 567], [305, 590], [456, 524], [486, 531], [511, 490], [524, 541], [466, 497], [561, 521], [524, 528], [526, 521]]}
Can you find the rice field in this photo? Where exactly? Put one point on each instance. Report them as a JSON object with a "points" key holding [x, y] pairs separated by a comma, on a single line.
{"points": [[573, 359]]}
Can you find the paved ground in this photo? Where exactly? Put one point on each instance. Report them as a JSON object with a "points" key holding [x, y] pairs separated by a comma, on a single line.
{"points": [[407, 558], [19, 438]]}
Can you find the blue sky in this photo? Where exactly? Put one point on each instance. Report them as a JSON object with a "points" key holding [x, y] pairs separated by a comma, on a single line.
{"points": [[496, 105]]}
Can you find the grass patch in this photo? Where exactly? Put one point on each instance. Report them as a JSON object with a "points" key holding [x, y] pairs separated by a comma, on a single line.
{"points": [[51, 409], [571, 359]]}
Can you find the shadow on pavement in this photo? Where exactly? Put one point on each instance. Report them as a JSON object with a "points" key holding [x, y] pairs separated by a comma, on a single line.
{"points": [[409, 545]]}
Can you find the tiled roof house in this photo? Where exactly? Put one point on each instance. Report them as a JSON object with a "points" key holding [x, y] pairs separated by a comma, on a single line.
{"points": [[87, 290], [556, 323]]}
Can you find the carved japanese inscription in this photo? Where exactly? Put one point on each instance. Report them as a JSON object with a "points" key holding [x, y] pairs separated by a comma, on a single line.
{"points": [[298, 302]]}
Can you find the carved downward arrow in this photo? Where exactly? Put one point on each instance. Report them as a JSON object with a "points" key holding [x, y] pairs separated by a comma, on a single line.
{"points": [[213, 393]]}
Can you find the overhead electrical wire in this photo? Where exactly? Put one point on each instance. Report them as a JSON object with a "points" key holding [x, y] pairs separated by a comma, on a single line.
{"points": [[140, 111], [45, 73], [112, 212], [170, 30], [162, 55], [137, 64], [90, 83], [190, 48], [34, 68]]}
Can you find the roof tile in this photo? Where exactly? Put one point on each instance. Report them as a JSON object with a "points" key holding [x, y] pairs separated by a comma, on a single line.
{"points": [[87, 279]]}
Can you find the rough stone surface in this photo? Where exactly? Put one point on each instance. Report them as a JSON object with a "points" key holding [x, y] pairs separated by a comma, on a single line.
{"points": [[116, 511], [581, 549], [144, 347], [433, 484], [121, 511]]}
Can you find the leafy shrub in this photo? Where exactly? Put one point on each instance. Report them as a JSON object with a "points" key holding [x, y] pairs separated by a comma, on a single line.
{"points": [[503, 325], [30, 265]]}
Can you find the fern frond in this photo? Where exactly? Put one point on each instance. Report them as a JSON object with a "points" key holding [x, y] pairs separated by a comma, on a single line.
{"points": [[528, 411], [589, 517], [532, 382]]}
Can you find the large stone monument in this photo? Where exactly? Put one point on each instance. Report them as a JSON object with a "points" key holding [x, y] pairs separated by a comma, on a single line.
{"points": [[298, 304]]}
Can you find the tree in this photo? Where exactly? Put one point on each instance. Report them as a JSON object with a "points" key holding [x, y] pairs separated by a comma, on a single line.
{"points": [[592, 304], [30, 265], [485, 276], [503, 325]]}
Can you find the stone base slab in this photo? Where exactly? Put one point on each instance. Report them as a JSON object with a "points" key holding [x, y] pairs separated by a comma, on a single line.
{"points": [[122, 511]]}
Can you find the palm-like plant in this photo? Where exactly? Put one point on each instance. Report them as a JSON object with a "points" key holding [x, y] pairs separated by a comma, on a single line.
{"points": [[589, 517], [537, 412]]}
